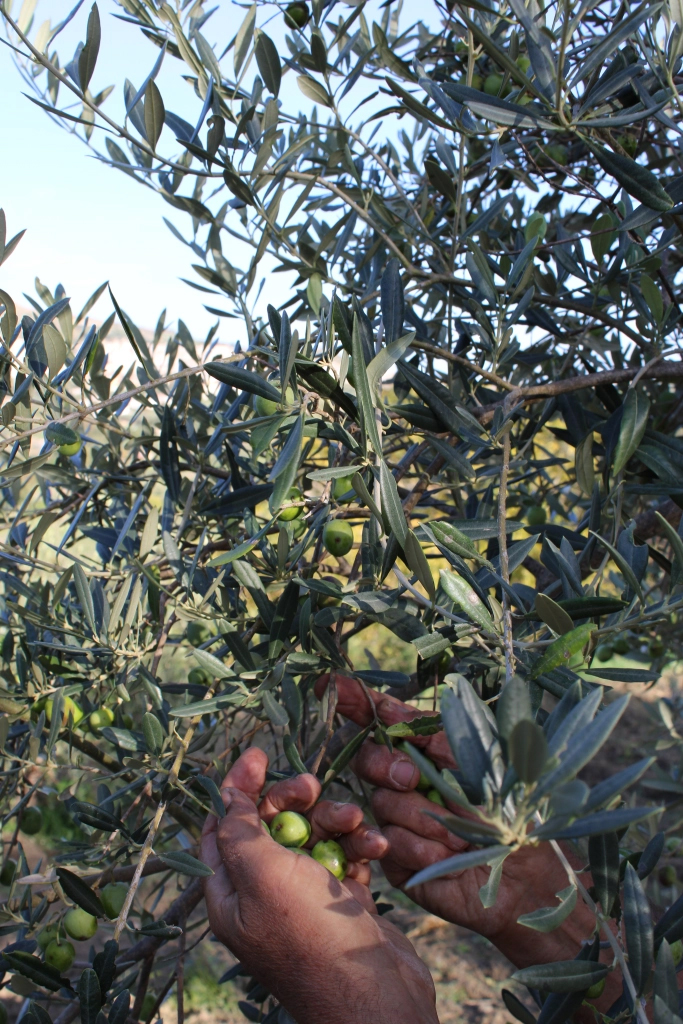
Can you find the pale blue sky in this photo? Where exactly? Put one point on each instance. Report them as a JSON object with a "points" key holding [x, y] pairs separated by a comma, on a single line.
{"points": [[86, 222]]}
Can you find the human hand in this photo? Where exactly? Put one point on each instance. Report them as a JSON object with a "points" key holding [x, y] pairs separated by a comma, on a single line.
{"points": [[317, 944], [531, 876]]}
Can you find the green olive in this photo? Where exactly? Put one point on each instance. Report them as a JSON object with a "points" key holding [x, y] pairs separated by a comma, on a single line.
{"points": [[71, 449], [656, 647], [523, 63], [297, 14], [198, 677], [31, 821], [604, 652], [197, 633], [127, 721], [112, 898], [288, 828], [435, 797], [60, 955], [338, 537], [80, 925], [668, 875], [596, 990], [493, 83], [293, 511], [621, 645], [69, 707], [148, 1004], [536, 516], [47, 935], [100, 719], [8, 872], [342, 489], [677, 951], [331, 856], [266, 407]]}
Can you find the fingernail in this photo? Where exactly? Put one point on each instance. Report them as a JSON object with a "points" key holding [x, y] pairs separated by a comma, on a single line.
{"points": [[339, 805], [402, 773], [227, 797], [374, 833]]}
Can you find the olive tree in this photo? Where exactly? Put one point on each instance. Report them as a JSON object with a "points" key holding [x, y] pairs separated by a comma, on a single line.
{"points": [[461, 425]]}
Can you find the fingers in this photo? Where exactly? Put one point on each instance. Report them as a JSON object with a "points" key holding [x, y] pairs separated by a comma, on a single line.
{"points": [[328, 819], [241, 840], [297, 794], [248, 773], [376, 765], [412, 813], [409, 853], [360, 892], [364, 843], [356, 702]]}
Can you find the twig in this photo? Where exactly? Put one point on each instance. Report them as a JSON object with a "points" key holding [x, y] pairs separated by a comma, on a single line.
{"points": [[604, 925], [331, 709], [503, 557]]}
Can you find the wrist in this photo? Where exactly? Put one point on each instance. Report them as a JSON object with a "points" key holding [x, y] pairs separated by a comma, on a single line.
{"points": [[524, 947]]}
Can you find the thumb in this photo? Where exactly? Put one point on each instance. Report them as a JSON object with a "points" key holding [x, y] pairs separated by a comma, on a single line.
{"points": [[241, 839]]}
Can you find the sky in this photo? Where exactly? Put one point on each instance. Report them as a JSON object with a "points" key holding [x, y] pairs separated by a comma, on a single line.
{"points": [[85, 222]]}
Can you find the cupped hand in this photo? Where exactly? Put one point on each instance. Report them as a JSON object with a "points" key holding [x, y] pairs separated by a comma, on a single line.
{"points": [[531, 876], [317, 944]]}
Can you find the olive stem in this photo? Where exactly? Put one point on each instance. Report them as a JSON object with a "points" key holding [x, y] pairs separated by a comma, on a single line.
{"points": [[604, 926]]}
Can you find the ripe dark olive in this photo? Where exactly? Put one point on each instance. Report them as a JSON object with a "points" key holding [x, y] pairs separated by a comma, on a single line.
{"points": [[31, 821], [338, 537], [80, 925], [7, 873], [297, 15], [331, 856], [112, 898], [60, 955], [288, 828]]}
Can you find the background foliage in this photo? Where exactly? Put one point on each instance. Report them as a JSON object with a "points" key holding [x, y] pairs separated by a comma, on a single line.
{"points": [[479, 219]]}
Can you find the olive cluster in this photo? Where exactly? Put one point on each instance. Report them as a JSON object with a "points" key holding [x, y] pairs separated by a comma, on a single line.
{"points": [[290, 829]]}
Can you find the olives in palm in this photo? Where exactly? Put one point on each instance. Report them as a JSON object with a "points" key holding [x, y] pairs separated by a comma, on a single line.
{"points": [[331, 856], [288, 828]]}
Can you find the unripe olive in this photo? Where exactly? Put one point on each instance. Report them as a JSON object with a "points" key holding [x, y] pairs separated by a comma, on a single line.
{"points": [[265, 407], [536, 226], [300, 849], [127, 721], [342, 489], [331, 856], [621, 645], [677, 951], [79, 925], [536, 516], [100, 719], [198, 677], [294, 511], [338, 537], [435, 797], [60, 955], [604, 652], [8, 872], [656, 647], [47, 935], [31, 821], [668, 875], [148, 1004], [493, 83], [290, 829], [596, 990], [297, 14], [112, 898], [523, 63], [71, 449], [197, 633], [69, 707]]}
